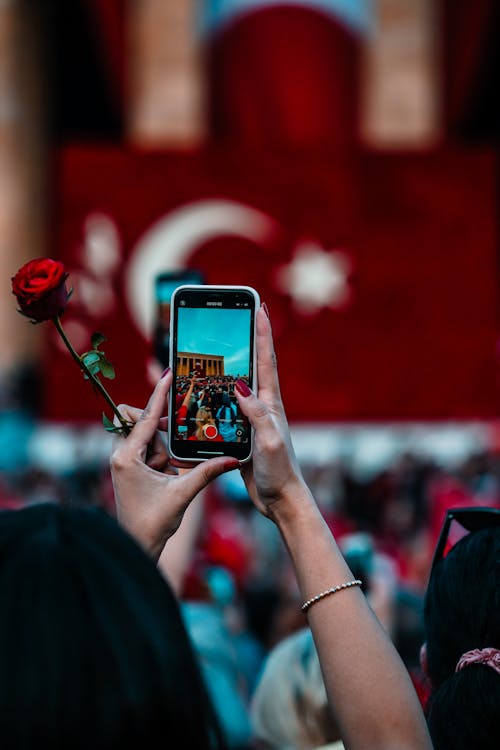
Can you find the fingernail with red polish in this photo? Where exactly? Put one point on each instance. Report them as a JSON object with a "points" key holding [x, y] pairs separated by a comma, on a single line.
{"points": [[165, 372], [266, 310], [232, 465], [242, 388]]}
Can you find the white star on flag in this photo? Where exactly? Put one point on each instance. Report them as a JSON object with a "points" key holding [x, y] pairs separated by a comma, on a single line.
{"points": [[316, 278]]}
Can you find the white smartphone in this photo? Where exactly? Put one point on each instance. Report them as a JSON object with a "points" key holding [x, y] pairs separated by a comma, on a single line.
{"points": [[212, 345]]}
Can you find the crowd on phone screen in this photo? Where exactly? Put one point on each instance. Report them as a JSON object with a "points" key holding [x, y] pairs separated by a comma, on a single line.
{"points": [[212, 401], [241, 602]]}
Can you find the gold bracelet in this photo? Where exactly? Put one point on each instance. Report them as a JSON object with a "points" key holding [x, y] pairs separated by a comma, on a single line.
{"points": [[333, 590]]}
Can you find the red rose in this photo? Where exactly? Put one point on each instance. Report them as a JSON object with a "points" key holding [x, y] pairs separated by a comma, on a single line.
{"points": [[40, 289]]}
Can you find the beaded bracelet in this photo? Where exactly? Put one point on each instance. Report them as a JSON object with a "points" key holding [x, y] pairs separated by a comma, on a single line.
{"points": [[333, 590]]}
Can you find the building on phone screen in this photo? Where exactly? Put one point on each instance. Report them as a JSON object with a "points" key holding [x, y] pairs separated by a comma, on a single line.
{"points": [[200, 364]]}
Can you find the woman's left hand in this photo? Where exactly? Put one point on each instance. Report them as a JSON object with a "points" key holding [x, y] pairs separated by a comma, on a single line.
{"points": [[151, 496]]}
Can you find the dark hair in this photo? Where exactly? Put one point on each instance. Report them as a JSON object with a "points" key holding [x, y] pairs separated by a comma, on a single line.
{"points": [[462, 613], [93, 651]]}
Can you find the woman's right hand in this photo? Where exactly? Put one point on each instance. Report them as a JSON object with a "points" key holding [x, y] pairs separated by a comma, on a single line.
{"points": [[272, 477]]}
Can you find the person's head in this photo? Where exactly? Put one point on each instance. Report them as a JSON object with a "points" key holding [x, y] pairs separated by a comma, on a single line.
{"points": [[93, 651], [289, 706], [203, 417], [226, 401], [461, 614]]}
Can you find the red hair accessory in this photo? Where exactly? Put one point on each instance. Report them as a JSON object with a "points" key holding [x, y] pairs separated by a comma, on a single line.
{"points": [[488, 656]]}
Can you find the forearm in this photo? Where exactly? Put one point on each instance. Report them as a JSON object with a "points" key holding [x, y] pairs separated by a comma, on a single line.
{"points": [[187, 397], [368, 686], [177, 553]]}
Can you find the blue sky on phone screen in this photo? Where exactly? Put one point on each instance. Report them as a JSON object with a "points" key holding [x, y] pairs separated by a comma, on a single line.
{"points": [[222, 332]]}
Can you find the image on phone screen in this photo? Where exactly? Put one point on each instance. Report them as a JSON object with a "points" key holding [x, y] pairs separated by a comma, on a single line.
{"points": [[213, 362]]}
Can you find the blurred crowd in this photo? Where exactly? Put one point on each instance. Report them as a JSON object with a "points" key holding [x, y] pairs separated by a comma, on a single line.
{"points": [[239, 592], [387, 525]]}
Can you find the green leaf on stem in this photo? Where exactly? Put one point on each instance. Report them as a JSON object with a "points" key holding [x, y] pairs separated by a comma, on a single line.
{"points": [[116, 428], [92, 361], [107, 368], [97, 362], [90, 358], [108, 424], [97, 339]]}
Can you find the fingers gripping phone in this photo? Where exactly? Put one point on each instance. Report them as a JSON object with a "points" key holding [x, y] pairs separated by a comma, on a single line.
{"points": [[212, 344]]}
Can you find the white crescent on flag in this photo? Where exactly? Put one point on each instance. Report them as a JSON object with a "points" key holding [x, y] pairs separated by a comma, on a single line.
{"points": [[169, 243]]}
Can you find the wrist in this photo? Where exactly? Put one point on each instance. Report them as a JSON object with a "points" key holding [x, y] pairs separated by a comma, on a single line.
{"points": [[150, 542], [295, 505]]}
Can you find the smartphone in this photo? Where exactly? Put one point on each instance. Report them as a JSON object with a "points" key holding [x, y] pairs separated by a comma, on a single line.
{"points": [[212, 335], [165, 285]]}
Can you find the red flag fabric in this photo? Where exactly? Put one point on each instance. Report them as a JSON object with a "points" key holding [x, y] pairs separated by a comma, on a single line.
{"points": [[380, 274]]}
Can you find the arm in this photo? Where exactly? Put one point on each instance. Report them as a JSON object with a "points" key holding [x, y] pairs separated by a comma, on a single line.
{"points": [[189, 393], [368, 687], [180, 418], [176, 556]]}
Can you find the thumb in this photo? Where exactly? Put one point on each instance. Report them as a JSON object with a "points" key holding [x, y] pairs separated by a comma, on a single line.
{"points": [[198, 478]]}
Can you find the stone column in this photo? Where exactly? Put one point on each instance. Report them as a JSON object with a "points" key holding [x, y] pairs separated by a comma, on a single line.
{"points": [[400, 83], [22, 171], [166, 83]]}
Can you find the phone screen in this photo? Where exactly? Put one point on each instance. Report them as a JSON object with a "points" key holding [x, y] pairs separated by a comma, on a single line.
{"points": [[213, 340], [165, 285]]}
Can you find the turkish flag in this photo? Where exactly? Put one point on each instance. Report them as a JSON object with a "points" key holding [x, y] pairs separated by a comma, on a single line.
{"points": [[380, 273]]}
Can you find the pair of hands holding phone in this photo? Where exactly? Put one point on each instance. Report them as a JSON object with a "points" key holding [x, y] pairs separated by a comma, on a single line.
{"points": [[152, 493], [366, 682]]}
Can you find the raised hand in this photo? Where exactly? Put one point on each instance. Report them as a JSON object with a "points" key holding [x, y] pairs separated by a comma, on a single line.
{"points": [[151, 495], [273, 475]]}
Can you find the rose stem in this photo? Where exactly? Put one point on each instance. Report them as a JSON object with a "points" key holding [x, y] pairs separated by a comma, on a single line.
{"points": [[81, 364]]}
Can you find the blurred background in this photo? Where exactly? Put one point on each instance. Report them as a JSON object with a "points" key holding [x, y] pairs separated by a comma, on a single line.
{"points": [[341, 156]]}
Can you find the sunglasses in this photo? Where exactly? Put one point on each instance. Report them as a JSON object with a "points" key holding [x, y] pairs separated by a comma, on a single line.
{"points": [[458, 523]]}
